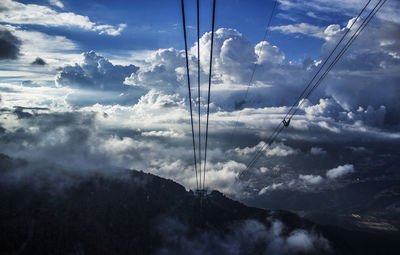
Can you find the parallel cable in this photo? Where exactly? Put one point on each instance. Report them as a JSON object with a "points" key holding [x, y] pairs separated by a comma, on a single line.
{"points": [[255, 64], [273, 136], [326, 61], [343, 51], [198, 79], [209, 92], [262, 148], [280, 127], [190, 94]]}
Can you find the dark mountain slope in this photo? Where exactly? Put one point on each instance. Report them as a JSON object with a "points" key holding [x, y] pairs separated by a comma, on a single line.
{"points": [[139, 213]]}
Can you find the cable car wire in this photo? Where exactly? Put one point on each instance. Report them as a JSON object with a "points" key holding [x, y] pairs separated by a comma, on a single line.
{"points": [[198, 78], [209, 92], [189, 89], [285, 123], [326, 61], [255, 64]]}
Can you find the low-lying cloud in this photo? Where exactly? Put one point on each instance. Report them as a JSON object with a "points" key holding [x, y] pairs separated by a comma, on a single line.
{"points": [[247, 237], [340, 171]]}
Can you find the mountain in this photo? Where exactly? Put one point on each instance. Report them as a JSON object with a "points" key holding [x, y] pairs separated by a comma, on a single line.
{"points": [[132, 212], [371, 205]]}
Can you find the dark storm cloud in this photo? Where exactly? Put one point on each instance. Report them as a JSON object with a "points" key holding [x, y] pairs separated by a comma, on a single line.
{"points": [[9, 45], [22, 113], [96, 72], [39, 62], [50, 121]]}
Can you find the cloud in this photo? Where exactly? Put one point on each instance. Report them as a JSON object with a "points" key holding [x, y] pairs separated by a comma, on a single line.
{"points": [[340, 171], [21, 112], [374, 54], [39, 62], [166, 133], [317, 151], [18, 13], [248, 237], [267, 53], [9, 45], [309, 30], [57, 3], [273, 186], [311, 179], [78, 140], [341, 7], [165, 72], [55, 49], [95, 72], [279, 82], [280, 150], [233, 55], [49, 136], [147, 124], [358, 148], [276, 149], [234, 58]]}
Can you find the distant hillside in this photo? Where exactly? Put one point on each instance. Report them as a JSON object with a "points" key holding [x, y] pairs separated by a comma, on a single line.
{"points": [[131, 212]]}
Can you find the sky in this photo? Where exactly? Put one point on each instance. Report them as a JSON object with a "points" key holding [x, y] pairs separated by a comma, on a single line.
{"points": [[97, 85]]}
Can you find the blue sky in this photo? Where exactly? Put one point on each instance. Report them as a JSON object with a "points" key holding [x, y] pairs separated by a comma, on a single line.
{"points": [[157, 24], [112, 73]]}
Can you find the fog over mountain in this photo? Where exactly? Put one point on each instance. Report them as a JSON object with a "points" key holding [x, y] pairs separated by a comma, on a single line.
{"points": [[138, 213], [93, 87]]}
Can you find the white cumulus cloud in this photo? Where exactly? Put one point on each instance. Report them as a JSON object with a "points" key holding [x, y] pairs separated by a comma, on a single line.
{"points": [[340, 171], [311, 179], [18, 13], [57, 3]]}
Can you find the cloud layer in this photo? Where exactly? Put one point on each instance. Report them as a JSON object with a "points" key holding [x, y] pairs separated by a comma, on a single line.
{"points": [[137, 116], [250, 237], [18, 13]]}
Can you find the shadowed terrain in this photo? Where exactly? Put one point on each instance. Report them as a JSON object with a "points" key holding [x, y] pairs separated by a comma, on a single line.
{"points": [[131, 212]]}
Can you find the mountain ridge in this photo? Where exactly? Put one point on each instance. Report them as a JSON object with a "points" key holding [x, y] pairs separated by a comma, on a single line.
{"points": [[132, 212]]}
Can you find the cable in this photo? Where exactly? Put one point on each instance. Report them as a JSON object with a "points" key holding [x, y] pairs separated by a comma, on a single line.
{"points": [[326, 61], [279, 129], [209, 92], [266, 146], [190, 94], [260, 150], [255, 64], [198, 78], [344, 49]]}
